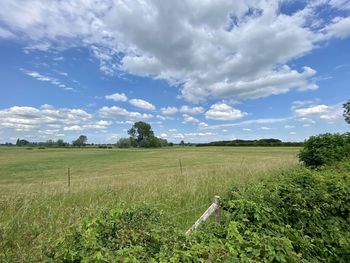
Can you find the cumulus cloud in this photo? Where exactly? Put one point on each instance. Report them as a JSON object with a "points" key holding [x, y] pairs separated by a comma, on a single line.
{"points": [[168, 110], [73, 128], [189, 119], [303, 112], [224, 112], [206, 48], [28, 119], [114, 111], [321, 111], [117, 97], [191, 110], [142, 104]]}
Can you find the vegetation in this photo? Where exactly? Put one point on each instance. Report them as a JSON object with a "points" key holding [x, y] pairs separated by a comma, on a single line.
{"points": [[325, 149], [346, 112], [261, 142], [141, 135], [37, 207], [300, 216], [81, 141]]}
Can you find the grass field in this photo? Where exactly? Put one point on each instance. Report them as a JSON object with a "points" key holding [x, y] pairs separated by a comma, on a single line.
{"points": [[36, 205]]}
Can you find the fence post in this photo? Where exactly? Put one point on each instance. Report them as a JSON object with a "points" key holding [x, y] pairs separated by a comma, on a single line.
{"points": [[218, 209], [69, 178], [180, 166]]}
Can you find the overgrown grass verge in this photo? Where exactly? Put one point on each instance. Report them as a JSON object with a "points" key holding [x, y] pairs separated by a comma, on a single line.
{"points": [[300, 216]]}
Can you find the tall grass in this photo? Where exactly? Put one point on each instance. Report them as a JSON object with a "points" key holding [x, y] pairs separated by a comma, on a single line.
{"points": [[35, 209]]}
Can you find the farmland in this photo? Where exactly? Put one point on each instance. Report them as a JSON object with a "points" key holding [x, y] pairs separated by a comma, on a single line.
{"points": [[36, 205]]}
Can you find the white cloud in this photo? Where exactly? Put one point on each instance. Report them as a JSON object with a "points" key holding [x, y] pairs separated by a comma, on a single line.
{"points": [[340, 28], [4, 33], [303, 112], [117, 97], [29, 118], [224, 112], [164, 117], [189, 119], [114, 111], [247, 129], [292, 133], [321, 111], [206, 48], [289, 126], [202, 125], [265, 128], [168, 110], [188, 110], [41, 77], [142, 104], [73, 128]]}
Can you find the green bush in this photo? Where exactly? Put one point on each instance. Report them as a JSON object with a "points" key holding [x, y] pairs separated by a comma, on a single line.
{"points": [[120, 235], [301, 216], [325, 149]]}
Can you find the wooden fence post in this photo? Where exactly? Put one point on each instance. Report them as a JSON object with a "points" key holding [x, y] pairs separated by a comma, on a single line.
{"points": [[180, 166], [218, 209], [213, 208], [69, 178]]}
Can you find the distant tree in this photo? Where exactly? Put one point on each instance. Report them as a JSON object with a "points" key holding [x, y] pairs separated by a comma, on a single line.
{"points": [[81, 141], [141, 135], [346, 112], [22, 142], [124, 143], [182, 143], [49, 143], [60, 143], [141, 131]]}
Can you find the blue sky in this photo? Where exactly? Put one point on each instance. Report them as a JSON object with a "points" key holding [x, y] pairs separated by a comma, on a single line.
{"points": [[196, 70]]}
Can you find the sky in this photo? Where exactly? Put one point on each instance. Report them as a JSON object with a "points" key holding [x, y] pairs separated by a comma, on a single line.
{"points": [[196, 70]]}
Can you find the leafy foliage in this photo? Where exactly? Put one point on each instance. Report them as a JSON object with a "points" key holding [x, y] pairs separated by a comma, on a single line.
{"points": [[325, 149], [81, 141], [346, 112], [301, 216], [141, 135]]}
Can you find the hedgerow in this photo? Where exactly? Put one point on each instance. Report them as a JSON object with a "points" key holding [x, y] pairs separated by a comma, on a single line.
{"points": [[325, 149], [301, 216]]}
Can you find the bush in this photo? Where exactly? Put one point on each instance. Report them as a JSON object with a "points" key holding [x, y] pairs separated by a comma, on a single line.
{"points": [[302, 216], [325, 149], [124, 143], [120, 235]]}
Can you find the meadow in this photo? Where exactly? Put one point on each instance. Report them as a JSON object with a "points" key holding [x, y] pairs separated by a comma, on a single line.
{"points": [[37, 206]]}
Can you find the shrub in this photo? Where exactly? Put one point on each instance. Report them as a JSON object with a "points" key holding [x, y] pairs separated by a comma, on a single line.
{"points": [[124, 143], [120, 235], [325, 149], [301, 216]]}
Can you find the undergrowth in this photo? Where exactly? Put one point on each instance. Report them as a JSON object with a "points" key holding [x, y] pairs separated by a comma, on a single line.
{"points": [[300, 216]]}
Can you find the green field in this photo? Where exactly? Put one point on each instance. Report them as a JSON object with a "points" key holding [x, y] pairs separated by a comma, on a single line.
{"points": [[36, 205]]}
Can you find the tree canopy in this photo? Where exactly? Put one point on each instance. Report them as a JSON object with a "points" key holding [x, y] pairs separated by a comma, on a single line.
{"points": [[346, 112], [81, 141], [141, 135]]}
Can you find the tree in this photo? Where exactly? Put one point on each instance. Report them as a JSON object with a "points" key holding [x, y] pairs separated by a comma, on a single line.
{"points": [[124, 143], [60, 143], [81, 141], [142, 133], [182, 143], [346, 112], [22, 142]]}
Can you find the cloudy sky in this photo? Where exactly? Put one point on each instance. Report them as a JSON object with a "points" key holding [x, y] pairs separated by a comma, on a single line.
{"points": [[197, 70]]}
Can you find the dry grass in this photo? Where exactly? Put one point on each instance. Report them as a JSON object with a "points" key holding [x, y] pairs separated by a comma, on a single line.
{"points": [[36, 205]]}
